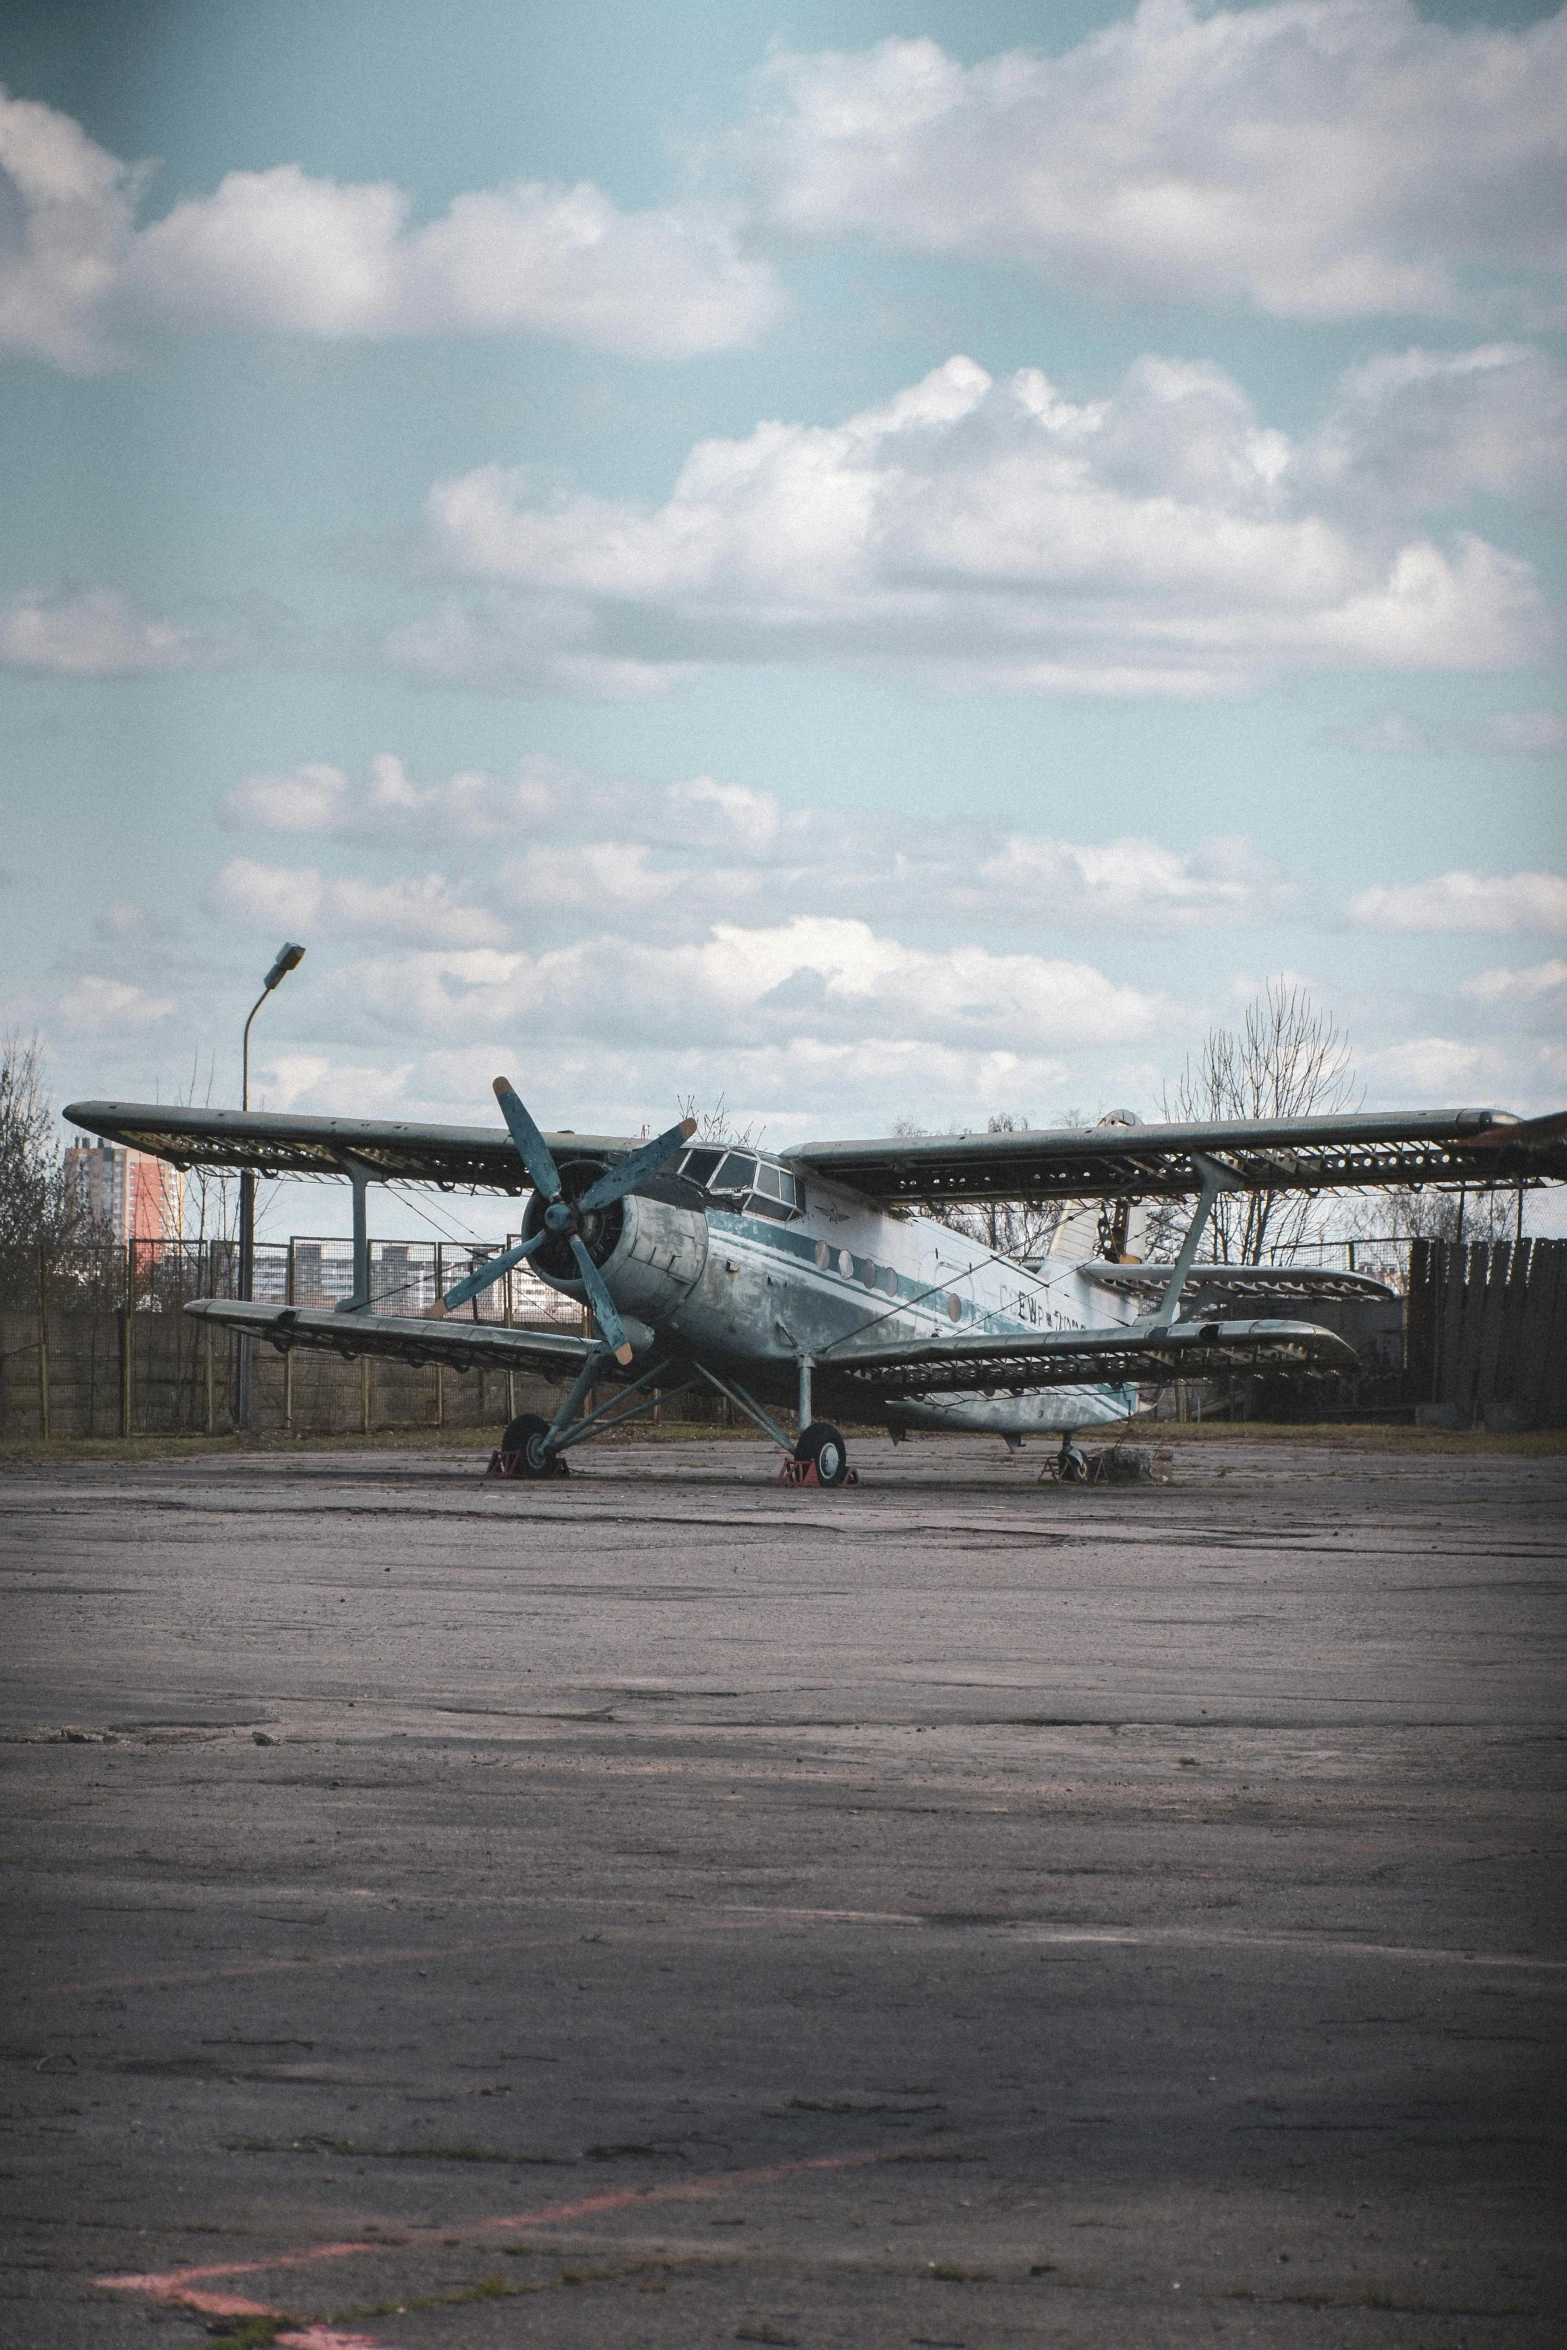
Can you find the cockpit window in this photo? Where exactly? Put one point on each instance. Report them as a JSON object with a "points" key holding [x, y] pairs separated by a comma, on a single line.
{"points": [[772, 1190]]}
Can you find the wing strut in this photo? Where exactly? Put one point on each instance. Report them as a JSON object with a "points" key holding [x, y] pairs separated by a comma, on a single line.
{"points": [[1214, 1180], [360, 1176]]}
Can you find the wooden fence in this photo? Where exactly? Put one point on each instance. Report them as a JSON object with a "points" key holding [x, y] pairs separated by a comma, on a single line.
{"points": [[1486, 1334], [100, 1345]]}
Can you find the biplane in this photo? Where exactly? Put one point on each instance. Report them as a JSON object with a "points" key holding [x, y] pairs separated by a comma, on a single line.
{"points": [[822, 1281]]}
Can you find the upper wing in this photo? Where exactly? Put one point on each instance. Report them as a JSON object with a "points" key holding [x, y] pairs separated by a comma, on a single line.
{"points": [[1280, 1154], [482, 1157], [1074, 1358], [461, 1346], [1233, 1285]]}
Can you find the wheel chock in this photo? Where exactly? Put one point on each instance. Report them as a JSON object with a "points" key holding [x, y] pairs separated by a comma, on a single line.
{"points": [[804, 1473], [509, 1464]]}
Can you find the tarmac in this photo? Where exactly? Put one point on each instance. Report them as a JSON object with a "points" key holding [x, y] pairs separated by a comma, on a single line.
{"points": [[658, 1908]]}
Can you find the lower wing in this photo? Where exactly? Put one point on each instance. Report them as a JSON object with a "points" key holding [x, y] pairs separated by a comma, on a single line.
{"points": [[1077, 1358], [461, 1346]]}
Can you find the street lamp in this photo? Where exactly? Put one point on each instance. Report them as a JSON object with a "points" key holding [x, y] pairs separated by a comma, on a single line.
{"points": [[288, 958]]}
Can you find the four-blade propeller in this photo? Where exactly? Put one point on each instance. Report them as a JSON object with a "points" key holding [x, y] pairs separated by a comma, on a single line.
{"points": [[562, 1215]]}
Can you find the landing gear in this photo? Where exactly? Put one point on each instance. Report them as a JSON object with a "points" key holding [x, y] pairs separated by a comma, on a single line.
{"points": [[525, 1441], [823, 1449]]}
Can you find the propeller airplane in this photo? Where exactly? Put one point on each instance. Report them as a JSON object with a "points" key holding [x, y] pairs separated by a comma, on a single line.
{"points": [[818, 1276]]}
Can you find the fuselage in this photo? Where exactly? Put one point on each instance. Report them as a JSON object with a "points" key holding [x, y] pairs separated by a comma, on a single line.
{"points": [[750, 1283]]}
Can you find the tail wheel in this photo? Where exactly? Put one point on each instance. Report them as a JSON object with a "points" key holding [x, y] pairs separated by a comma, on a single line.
{"points": [[824, 1448], [524, 1438]]}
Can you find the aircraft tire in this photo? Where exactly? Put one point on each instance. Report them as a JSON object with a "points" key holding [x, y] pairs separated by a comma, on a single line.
{"points": [[824, 1448], [523, 1436]]}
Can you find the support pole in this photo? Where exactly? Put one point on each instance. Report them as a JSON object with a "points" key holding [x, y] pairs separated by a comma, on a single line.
{"points": [[43, 1344], [805, 1393], [360, 1178], [440, 1367], [288, 1356], [247, 1283], [127, 1343], [511, 1376]]}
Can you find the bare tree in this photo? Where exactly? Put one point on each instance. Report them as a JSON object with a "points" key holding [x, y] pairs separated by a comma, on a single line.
{"points": [[1468, 1214], [38, 1210], [716, 1125], [1286, 1060]]}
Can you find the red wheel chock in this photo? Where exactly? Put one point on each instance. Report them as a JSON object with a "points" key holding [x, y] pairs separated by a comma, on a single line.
{"points": [[804, 1473], [509, 1464]]}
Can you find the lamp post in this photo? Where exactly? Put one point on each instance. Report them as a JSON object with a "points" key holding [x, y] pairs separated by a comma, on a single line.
{"points": [[289, 957]]}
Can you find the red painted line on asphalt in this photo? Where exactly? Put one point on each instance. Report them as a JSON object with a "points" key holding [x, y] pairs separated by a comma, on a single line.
{"points": [[185, 2286], [307, 2337]]}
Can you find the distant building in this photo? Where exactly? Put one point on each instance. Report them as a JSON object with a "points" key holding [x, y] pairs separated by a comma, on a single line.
{"points": [[125, 1193]]}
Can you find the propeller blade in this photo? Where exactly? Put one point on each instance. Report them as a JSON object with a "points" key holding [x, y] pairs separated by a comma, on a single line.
{"points": [[624, 1177], [483, 1275], [611, 1328], [532, 1148]]}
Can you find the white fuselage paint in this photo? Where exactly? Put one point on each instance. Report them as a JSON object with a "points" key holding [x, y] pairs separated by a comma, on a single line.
{"points": [[764, 1292]]}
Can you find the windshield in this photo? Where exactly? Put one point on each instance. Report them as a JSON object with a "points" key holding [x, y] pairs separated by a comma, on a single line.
{"points": [[738, 1173], [699, 1165]]}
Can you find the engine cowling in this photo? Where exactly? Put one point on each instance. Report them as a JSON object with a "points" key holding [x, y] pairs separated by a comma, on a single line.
{"points": [[652, 1252]]}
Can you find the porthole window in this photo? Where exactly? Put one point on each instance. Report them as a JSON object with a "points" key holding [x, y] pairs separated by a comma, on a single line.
{"points": [[889, 1281], [823, 1256], [868, 1273], [845, 1264], [954, 1307]]}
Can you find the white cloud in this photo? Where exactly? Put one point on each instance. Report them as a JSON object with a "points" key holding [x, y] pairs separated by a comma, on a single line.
{"points": [[98, 632], [1433, 1071], [593, 845], [1137, 881], [1465, 901], [984, 536], [280, 252], [1425, 431], [821, 980], [425, 912], [315, 1083], [1314, 159], [470, 805], [65, 222], [96, 1006], [1537, 983]]}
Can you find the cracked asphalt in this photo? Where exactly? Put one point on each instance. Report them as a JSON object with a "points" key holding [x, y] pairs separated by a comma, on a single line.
{"points": [[659, 1909]]}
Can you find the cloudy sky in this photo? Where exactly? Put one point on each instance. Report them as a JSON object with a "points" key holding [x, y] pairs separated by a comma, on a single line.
{"points": [[765, 552]]}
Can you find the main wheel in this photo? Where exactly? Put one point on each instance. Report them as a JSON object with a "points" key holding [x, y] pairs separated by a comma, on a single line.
{"points": [[524, 1437], [824, 1448]]}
